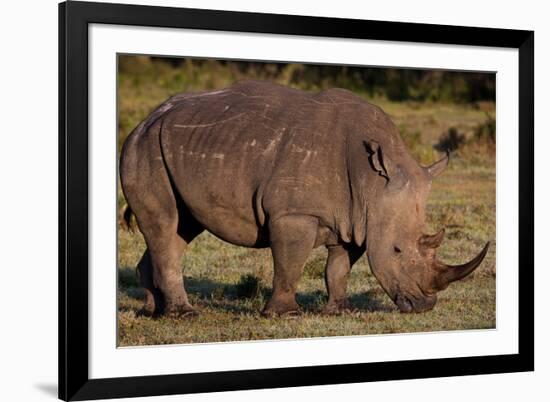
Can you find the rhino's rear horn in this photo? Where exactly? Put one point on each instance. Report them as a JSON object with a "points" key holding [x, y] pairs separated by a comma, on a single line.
{"points": [[432, 241], [451, 273], [436, 168]]}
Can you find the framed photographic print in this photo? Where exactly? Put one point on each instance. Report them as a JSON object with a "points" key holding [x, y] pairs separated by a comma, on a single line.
{"points": [[258, 200]]}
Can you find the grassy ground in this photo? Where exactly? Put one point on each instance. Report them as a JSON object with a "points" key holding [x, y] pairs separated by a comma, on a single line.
{"points": [[230, 284]]}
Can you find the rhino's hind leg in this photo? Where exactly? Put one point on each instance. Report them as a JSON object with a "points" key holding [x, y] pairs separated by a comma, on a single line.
{"points": [[292, 239], [339, 262], [154, 301], [166, 249], [163, 219], [167, 232]]}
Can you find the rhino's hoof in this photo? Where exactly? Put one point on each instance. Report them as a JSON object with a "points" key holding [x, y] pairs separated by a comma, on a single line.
{"points": [[291, 314], [181, 312], [146, 312], [271, 313]]}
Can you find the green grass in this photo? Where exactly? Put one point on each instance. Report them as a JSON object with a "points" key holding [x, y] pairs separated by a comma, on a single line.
{"points": [[230, 284]]}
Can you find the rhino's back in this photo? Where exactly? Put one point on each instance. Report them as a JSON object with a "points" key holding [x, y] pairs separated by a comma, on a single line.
{"points": [[255, 150]]}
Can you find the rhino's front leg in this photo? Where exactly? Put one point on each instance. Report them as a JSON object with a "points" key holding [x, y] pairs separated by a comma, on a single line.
{"points": [[292, 239], [339, 262]]}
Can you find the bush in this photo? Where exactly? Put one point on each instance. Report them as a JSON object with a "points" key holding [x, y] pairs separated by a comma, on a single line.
{"points": [[450, 141], [248, 287], [486, 132]]}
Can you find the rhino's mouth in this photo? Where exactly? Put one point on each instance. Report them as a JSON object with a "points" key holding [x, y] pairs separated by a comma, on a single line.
{"points": [[410, 304], [403, 303]]}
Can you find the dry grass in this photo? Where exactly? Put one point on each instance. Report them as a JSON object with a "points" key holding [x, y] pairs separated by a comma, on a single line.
{"points": [[230, 284]]}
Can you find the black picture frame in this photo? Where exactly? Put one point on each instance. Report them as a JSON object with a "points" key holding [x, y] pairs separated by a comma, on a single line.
{"points": [[74, 18]]}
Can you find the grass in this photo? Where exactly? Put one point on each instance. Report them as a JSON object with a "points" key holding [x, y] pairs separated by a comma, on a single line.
{"points": [[230, 284]]}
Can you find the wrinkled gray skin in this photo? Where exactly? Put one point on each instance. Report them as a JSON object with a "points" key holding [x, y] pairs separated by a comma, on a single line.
{"points": [[262, 165]]}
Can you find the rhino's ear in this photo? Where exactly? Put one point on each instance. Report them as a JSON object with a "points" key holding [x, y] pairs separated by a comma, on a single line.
{"points": [[382, 164], [376, 158]]}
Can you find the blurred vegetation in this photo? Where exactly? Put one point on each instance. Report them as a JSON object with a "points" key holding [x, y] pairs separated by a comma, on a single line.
{"points": [[395, 84], [487, 130], [434, 111], [154, 79]]}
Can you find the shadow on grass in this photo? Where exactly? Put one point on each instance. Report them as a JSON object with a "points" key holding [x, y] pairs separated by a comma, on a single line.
{"points": [[225, 296], [370, 301]]}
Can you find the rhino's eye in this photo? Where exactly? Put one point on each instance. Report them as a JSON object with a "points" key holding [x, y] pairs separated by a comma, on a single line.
{"points": [[397, 250]]}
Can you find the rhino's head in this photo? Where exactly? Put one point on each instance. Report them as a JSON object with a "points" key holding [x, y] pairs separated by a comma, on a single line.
{"points": [[401, 255]]}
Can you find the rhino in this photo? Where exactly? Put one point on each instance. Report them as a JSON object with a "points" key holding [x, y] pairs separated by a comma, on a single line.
{"points": [[260, 165]]}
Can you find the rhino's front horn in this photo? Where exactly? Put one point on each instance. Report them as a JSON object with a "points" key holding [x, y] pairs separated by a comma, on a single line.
{"points": [[451, 273]]}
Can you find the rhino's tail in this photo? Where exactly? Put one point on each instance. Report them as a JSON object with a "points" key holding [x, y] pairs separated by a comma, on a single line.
{"points": [[125, 218]]}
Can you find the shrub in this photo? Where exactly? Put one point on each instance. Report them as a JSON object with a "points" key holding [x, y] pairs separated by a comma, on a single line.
{"points": [[486, 132], [450, 140], [248, 287]]}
